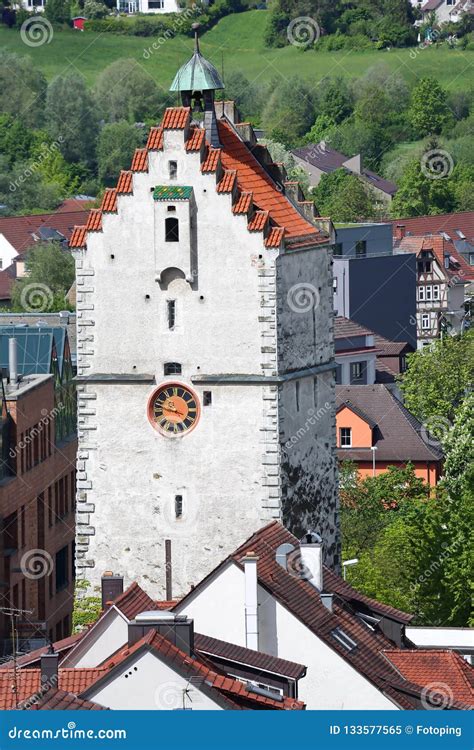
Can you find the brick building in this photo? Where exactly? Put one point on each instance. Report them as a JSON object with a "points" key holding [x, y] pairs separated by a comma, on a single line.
{"points": [[37, 504]]}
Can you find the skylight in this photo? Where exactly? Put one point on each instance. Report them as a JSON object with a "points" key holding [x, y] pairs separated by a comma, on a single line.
{"points": [[342, 638]]}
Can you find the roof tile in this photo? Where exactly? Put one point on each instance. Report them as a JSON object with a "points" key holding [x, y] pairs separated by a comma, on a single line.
{"points": [[196, 139], [226, 184], [140, 160], [109, 201], [176, 118], [125, 182], [155, 139], [274, 237], [243, 203], [78, 237], [212, 160], [431, 668], [258, 221], [94, 221]]}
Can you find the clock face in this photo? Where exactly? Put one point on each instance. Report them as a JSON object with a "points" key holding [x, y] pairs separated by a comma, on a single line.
{"points": [[173, 409]]}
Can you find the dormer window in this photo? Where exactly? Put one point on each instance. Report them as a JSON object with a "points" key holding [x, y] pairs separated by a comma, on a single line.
{"points": [[173, 170], [171, 229]]}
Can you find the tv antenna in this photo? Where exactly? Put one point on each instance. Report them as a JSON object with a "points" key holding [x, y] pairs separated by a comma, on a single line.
{"points": [[13, 613]]}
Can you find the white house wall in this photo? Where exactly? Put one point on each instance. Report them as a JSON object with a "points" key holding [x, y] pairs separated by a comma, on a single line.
{"points": [[330, 683], [110, 634], [7, 252], [148, 684]]}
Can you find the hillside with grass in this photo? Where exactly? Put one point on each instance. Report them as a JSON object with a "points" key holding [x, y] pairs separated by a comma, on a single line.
{"points": [[236, 43]]}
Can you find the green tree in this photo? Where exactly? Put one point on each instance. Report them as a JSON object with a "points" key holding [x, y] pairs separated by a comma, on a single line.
{"points": [[343, 197], [322, 130], [58, 11], [124, 91], [15, 140], [94, 9], [429, 112], [71, 118], [438, 377], [87, 606], [419, 193], [289, 112], [22, 89], [117, 142], [249, 97], [23, 189], [335, 99], [50, 272]]}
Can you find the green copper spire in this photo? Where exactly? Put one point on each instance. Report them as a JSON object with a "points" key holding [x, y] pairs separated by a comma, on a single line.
{"points": [[198, 74]]}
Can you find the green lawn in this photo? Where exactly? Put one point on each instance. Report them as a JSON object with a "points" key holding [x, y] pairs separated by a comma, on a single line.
{"points": [[236, 42]]}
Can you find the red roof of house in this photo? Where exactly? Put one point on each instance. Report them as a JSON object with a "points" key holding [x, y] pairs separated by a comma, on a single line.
{"points": [[459, 270], [134, 600], [74, 204], [60, 647], [237, 172], [60, 700], [193, 666], [29, 683], [463, 222], [436, 669], [20, 230]]}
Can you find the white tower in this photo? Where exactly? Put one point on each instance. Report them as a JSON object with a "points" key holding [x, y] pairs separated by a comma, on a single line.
{"points": [[205, 355]]}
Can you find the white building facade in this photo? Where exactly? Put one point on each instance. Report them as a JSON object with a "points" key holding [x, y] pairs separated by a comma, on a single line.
{"points": [[205, 364]]}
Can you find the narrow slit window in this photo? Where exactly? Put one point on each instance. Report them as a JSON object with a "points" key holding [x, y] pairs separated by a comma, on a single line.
{"points": [[315, 392], [173, 169], [207, 398], [178, 506], [297, 395], [171, 313], [172, 229]]}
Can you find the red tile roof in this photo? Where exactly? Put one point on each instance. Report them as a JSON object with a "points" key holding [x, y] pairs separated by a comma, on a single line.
{"points": [[94, 221], [140, 160], [227, 182], [134, 600], [78, 237], [243, 203], [450, 223], [258, 221], [458, 269], [60, 647], [208, 646], [434, 669], [60, 700], [19, 230], [212, 160], [109, 201], [125, 182], [228, 687], [176, 118], [196, 139], [274, 237], [74, 204], [344, 327], [155, 139], [29, 683]]}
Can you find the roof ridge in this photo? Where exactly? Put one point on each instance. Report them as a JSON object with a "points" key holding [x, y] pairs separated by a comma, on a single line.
{"points": [[404, 411]]}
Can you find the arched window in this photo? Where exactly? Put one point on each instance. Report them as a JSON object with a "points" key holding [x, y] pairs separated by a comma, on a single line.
{"points": [[171, 229], [172, 368]]}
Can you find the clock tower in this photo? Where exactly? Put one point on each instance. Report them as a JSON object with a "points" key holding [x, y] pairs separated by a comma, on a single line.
{"points": [[205, 352]]}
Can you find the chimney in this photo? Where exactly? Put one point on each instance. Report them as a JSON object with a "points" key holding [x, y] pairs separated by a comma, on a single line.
{"points": [[251, 605], [311, 551], [49, 669], [177, 629], [13, 360], [112, 587], [400, 231]]}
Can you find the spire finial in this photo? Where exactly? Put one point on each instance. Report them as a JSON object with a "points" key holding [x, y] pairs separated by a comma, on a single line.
{"points": [[195, 27]]}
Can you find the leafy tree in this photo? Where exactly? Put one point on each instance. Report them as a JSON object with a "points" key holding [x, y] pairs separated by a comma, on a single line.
{"points": [[71, 118], [459, 448], [289, 112], [94, 9], [15, 140], [335, 99], [249, 97], [24, 189], [117, 142], [342, 196], [281, 155], [356, 136], [322, 130], [429, 111], [58, 11], [438, 377], [124, 91], [49, 269], [419, 194], [22, 89], [87, 606]]}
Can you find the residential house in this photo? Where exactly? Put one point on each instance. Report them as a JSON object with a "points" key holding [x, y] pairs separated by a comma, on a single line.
{"points": [[364, 358], [148, 6], [319, 158], [446, 11], [441, 277], [275, 601], [375, 431], [372, 286], [18, 234], [37, 495]]}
